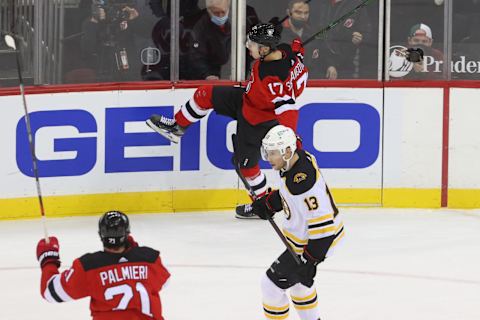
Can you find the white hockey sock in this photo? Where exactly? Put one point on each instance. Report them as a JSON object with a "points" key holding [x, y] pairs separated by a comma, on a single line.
{"points": [[258, 184], [275, 300], [305, 301]]}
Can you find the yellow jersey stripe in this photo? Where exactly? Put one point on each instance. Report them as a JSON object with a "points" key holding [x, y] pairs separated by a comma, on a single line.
{"points": [[294, 238], [338, 238], [309, 297], [322, 230], [294, 247], [321, 219]]}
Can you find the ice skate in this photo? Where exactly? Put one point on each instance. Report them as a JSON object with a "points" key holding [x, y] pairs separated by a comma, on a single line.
{"points": [[166, 127], [245, 211]]}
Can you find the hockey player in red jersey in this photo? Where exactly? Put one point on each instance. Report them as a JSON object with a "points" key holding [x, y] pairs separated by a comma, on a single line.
{"points": [[277, 79], [123, 281]]}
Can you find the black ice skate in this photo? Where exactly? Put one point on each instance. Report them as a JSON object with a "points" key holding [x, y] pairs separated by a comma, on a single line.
{"points": [[245, 211], [167, 127]]}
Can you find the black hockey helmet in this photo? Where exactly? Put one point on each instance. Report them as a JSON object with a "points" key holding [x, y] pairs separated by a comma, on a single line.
{"points": [[113, 228], [265, 34]]}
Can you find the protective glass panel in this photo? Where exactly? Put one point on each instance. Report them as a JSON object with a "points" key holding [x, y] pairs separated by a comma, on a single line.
{"points": [[347, 51], [16, 18], [417, 24], [114, 40], [205, 39], [466, 40]]}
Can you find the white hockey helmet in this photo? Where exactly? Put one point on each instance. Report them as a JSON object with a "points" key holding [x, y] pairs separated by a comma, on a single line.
{"points": [[279, 138]]}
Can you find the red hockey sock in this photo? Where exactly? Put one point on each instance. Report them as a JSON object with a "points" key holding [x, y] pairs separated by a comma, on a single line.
{"points": [[195, 108]]}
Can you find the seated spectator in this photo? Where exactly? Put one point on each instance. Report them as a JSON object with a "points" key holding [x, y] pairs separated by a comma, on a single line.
{"points": [[347, 40], [318, 58]]}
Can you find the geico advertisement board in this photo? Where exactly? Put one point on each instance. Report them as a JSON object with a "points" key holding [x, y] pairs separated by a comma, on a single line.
{"points": [[98, 143]]}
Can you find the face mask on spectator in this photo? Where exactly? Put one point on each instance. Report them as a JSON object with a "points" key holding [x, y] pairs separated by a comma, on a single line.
{"points": [[219, 21], [299, 24]]}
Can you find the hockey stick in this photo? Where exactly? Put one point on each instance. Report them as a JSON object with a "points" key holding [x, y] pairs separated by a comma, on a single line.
{"points": [[236, 164], [12, 43], [333, 24]]}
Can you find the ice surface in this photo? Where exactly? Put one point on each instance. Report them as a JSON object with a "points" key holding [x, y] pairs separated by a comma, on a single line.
{"points": [[395, 264]]}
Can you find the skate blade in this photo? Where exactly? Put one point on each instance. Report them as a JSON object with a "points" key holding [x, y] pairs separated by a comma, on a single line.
{"points": [[254, 217], [170, 136]]}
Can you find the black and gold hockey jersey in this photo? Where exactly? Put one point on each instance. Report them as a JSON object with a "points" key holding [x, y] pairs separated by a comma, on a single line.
{"points": [[310, 210]]}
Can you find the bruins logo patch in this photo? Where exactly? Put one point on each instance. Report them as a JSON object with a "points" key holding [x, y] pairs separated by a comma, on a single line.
{"points": [[299, 177]]}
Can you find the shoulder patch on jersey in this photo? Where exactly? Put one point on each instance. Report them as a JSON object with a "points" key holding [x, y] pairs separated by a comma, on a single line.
{"points": [[299, 177], [302, 176]]}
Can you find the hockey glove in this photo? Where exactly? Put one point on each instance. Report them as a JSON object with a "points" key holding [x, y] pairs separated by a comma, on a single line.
{"points": [[307, 271], [48, 252], [266, 206], [261, 208], [298, 49]]}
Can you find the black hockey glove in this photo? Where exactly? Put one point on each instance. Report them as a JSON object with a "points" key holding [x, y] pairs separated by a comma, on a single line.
{"points": [[261, 208], [266, 206], [307, 271]]}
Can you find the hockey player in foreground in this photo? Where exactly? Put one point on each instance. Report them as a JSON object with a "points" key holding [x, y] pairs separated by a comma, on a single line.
{"points": [[123, 280], [277, 79], [312, 227]]}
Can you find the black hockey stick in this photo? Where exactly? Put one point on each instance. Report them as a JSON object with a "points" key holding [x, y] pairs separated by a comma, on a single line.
{"points": [[12, 43], [236, 164], [321, 33]]}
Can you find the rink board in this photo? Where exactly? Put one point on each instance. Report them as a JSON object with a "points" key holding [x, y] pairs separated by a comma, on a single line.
{"points": [[375, 146]]}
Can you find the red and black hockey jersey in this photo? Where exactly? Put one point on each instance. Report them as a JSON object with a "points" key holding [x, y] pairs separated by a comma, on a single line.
{"points": [[274, 86], [121, 285]]}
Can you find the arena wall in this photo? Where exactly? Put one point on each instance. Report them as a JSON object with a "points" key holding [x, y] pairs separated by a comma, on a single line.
{"points": [[378, 145]]}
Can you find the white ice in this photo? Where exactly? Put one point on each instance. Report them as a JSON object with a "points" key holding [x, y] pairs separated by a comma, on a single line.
{"points": [[395, 264]]}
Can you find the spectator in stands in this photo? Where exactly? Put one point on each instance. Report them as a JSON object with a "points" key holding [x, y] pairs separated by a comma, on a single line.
{"points": [[211, 47], [347, 40], [318, 58], [108, 41], [209, 56], [406, 13], [432, 65]]}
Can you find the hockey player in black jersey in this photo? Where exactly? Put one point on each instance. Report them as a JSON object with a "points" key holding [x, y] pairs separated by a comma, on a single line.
{"points": [[313, 227]]}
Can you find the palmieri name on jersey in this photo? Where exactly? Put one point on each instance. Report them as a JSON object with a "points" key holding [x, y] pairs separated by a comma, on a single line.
{"points": [[123, 273]]}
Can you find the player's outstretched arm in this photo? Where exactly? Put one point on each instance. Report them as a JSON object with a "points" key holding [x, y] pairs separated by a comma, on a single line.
{"points": [[55, 286]]}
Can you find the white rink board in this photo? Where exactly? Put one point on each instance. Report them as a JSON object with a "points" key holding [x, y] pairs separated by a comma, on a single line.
{"points": [[464, 146], [94, 105], [413, 138]]}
